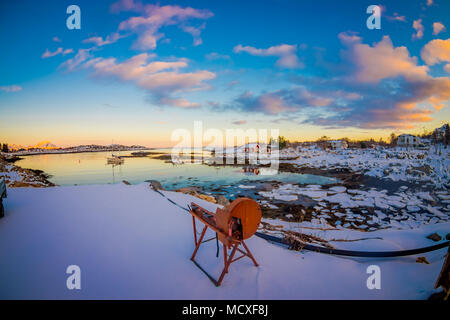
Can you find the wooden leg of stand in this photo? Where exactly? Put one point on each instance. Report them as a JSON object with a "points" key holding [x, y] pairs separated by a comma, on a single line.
{"points": [[250, 254], [195, 230], [225, 255], [225, 268], [199, 242]]}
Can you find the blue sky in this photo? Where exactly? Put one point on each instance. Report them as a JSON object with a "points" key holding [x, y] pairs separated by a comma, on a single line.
{"points": [[137, 70]]}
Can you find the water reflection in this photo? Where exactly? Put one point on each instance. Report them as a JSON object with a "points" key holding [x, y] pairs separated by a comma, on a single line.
{"points": [[91, 168]]}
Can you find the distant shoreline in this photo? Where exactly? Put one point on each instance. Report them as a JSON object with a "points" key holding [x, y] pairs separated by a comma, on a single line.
{"points": [[20, 153]]}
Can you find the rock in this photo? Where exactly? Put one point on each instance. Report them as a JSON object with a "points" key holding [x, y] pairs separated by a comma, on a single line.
{"points": [[425, 169], [194, 191], [189, 190], [126, 182], [222, 200], [422, 260], [155, 184], [265, 187], [447, 237], [434, 237], [206, 198]]}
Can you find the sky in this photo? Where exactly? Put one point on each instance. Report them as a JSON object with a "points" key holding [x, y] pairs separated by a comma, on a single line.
{"points": [[136, 71]]}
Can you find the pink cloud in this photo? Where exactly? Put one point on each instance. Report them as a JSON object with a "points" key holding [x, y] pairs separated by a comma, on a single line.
{"points": [[99, 41], [417, 25], [396, 17], [383, 61], [287, 54], [436, 51], [438, 27], [349, 37], [154, 17], [80, 58], [48, 54], [162, 79]]}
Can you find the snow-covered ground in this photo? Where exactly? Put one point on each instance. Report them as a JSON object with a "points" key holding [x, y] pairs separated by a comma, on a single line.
{"points": [[398, 164], [130, 242], [404, 209]]}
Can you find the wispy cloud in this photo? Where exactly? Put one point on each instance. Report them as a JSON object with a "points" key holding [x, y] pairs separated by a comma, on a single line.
{"points": [[60, 50], [217, 56], [99, 41], [396, 17], [195, 32], [80, 58], [11, 88], [286, 53]]}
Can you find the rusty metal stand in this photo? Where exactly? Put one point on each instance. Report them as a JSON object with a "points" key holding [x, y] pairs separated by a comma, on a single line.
{"points": [[227, 259]]}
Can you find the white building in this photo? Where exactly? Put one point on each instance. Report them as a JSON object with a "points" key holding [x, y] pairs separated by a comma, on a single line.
{"points": [[408, 140], [337, 144]]}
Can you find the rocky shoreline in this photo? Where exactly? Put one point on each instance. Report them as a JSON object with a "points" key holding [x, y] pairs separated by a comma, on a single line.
{"points": [[17, 177]]}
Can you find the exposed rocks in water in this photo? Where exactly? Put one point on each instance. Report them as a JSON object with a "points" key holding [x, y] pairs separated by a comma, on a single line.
{"points": [[435, 237], [348, 178], [126, 182]]}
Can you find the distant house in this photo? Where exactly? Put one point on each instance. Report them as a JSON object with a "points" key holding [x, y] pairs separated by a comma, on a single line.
{"points": [[337, 144], [408, 140], [256, 148], [440, 132]]}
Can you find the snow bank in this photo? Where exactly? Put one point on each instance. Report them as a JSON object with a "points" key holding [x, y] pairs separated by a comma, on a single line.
{"points": [[130, 242]]}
